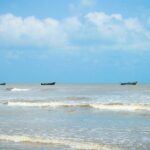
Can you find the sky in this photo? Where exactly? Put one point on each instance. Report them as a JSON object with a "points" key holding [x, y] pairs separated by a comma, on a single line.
{"points": [[74, 41]]}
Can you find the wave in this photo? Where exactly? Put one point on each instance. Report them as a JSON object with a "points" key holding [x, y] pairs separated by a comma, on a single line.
{"points": [[17, 89], [45, 104], [60, 142], [122, 107], [100, 106]]}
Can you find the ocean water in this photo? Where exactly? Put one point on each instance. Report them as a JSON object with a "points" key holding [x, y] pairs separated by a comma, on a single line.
{"points": [[70, 117]]}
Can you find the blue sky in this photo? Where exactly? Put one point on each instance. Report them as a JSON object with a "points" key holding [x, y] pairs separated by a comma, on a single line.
{"points": [[74, 41]]}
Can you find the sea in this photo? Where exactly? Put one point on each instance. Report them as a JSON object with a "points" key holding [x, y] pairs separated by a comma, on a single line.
{"points": [[75, 117]]}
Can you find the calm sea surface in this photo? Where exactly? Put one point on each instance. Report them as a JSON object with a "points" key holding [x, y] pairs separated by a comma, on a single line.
{"points": [[68, 117]]}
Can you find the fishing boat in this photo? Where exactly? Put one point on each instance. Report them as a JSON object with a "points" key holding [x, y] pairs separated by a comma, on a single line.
{"points": [[129, 83], [2, 83], [51, 83]]}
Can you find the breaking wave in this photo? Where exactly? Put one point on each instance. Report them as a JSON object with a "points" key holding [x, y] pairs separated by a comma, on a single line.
{"points": [[45, 104], [60, 142], [100, 106], [122, 107], [17, 89]]}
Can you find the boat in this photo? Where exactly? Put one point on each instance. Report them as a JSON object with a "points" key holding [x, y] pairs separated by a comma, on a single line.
{"points": [[129, 83], [2, 83], [51, 83]]}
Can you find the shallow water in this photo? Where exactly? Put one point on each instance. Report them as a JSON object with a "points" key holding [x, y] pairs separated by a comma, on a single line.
{"points": [[74, 117]]}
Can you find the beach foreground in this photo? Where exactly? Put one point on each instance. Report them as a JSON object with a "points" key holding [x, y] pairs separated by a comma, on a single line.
{"points": [[94, 117]]}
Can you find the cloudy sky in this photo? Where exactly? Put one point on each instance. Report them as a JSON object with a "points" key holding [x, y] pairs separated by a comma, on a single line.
{"points": [[74, 41]]}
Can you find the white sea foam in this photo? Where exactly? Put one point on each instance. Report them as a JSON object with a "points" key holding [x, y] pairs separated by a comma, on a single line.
{"points": [[122, 107], [54, 141], [46, 104], [100, 106], [17, 89], [38, 104]]}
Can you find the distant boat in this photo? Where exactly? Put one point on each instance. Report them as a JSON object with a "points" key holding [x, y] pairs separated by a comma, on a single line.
{"points": [[51, 83], [2, 83], [129, 83]]}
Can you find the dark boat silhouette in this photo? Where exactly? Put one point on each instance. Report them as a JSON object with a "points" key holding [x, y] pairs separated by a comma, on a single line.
{"points": [[2, 83], [128, 83], [51, 83]]}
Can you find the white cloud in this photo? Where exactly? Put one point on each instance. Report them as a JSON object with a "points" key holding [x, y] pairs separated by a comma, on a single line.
{"points": [[133, 24], [71, 24], [107, 25], [100, 18], [96, 31], [32, 31], [124, 32]]}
